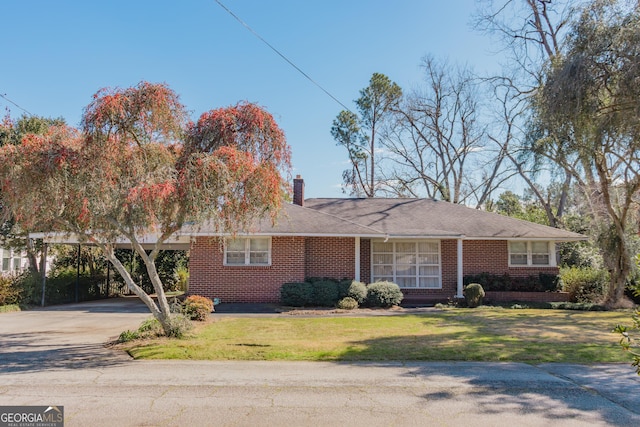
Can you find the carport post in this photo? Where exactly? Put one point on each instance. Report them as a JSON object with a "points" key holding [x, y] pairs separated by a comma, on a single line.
{"points": [[106, 291], [78, 272], [43, 270]]}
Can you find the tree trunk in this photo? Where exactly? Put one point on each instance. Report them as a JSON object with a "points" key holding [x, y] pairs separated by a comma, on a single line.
{"points": [[617, 259], [163, 316], [34, 265], [149, 262]]}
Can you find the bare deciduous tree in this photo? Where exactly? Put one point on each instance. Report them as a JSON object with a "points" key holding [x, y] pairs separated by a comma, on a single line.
{"points": [[438, 143], [530, 34]]}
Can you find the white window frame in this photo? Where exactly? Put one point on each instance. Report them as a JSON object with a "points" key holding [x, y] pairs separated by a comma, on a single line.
{"points": [[247, 252], [529, 244], [14, 259], [5, 256], [417, 266]]}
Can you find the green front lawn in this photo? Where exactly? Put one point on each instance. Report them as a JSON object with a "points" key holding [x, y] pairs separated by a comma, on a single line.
{"points": [[530, 335]]}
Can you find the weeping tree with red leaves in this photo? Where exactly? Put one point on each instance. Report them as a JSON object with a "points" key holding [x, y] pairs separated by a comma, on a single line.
{"points": [[139, 167]]}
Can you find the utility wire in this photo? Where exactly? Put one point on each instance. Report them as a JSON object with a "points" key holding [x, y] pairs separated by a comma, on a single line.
{"points": [[244, 24], [4, 96]]}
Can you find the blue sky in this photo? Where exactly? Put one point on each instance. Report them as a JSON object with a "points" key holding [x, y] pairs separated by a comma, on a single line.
{"points": [[57, 54]]}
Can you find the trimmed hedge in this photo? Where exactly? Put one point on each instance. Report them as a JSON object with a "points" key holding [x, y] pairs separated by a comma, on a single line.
{"points": [[328, 293], [504, 283], [297, 294], [325, 293]]}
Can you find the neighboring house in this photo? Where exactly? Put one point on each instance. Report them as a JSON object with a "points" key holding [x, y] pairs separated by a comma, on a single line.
{"points": [[425, 246], [12, 261]]}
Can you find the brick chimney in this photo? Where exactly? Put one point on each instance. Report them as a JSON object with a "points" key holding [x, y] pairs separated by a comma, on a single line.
{"points": [[298, 191]]}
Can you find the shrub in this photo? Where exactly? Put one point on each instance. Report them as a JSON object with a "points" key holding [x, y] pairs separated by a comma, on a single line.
{"points": [[347, 303], [296, 294], [550, 282], [128, 335], [383, 294], [325, 293], [9, 308], [151, 328], [584, 285], [473, 294], [343, 288], [181, 277], [9, 290], [582, 306], [316, 279], [197, 307], [30, 288], [179, 326], [501, 283], [357, 291]]}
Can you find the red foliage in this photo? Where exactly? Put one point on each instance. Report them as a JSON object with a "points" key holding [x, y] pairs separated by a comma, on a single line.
{"points": [[85, 215], [244, 126], [150, 196], [138, 115], [129, 170], [34, 174]]}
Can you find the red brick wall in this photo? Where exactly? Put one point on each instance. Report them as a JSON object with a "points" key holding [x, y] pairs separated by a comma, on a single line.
{"points": [[210, 278], [365, 260], [492, 256], [332, 257], [479, 256], [335, 258]]}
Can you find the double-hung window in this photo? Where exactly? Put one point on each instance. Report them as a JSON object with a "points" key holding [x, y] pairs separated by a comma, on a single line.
{"points": [[531, 254], [10, 260], [410, 264], [6, 260], [247, 251]]}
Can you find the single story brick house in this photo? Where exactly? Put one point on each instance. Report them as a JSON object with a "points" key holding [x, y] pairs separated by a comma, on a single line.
{"points": [[425, 246]]}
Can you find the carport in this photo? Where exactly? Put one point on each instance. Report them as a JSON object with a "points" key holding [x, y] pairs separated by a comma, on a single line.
{"points": [[175, 243]]}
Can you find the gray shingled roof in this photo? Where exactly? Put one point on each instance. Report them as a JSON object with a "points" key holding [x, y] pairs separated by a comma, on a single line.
{"points": [[432, 218], [300, 221]]}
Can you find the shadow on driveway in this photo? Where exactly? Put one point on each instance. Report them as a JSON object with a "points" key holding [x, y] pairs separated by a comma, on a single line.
{"points": [[67, 336]]}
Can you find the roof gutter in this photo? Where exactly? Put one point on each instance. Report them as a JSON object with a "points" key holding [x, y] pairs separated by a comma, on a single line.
{"points": [[531, 239]]}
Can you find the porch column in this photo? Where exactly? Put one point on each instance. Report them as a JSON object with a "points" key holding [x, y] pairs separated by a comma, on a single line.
{"points": [[459, 270], [357, 252]]}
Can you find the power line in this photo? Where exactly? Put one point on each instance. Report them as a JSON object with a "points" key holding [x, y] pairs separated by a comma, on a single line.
{"points": [[244, 24], [4, 96]]}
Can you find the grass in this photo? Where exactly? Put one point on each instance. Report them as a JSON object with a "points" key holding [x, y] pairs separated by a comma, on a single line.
{"points": [[526, 335], [8, 308]]}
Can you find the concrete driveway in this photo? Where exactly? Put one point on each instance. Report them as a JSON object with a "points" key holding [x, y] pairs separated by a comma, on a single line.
{"points": [[55, 356], [67, 336]]}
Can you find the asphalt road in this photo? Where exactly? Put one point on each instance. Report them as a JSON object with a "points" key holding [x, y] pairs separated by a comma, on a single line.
{"points": [[55, 357]]}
